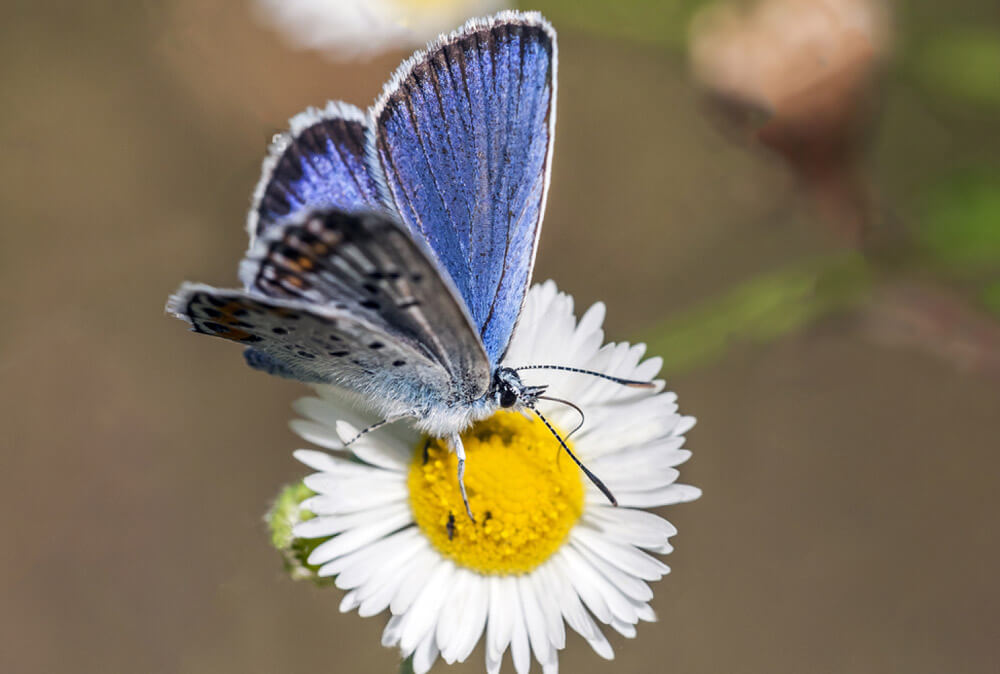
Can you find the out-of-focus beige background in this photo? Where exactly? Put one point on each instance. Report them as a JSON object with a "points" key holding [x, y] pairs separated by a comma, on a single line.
{"points": [[848, 522]]}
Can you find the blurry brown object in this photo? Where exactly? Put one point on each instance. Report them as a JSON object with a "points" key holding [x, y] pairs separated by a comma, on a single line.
{"points": [[799, 76], [937, 321]]}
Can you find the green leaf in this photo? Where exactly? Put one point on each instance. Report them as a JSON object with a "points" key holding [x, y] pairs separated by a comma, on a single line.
{"points": [[991, 297], [761, 310], [964, 63], [960, 225]]}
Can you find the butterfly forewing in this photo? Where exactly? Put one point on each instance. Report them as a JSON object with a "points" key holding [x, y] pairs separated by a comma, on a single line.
{"points": [[463, 134]]}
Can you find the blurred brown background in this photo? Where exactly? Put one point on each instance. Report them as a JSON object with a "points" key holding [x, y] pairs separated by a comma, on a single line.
{"points": [[848, 522]]}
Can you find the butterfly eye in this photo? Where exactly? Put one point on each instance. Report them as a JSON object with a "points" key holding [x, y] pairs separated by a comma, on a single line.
{"points": [[507, 398]]}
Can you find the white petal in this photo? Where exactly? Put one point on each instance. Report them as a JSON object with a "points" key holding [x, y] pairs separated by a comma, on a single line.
{"points": [[380, 558], [318, 461], [579, 574], [390, 635], [349, 602], [625, 525], [353, 475], [425, 655], [377, 594], [493, 663], [625, 629], [500, 624], [685, 425], [669, 495], [625, 583], [613, 598], [534, 621], [452, 612], [520, 653], [626, 557], [422, 616], [375, 450], [414, 578], [663, 453], [645, 612], [573, 611], [317, 434], [549, 606], [327, 525], [354, 539], [355, 495], [474, 621], [646, 480]]}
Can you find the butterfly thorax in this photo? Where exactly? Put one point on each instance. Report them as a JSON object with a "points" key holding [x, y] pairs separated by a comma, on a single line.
{"points": [[506, 391]]}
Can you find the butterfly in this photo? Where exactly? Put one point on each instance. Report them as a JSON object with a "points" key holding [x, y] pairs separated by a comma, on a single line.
{"points": [[390, 251]]}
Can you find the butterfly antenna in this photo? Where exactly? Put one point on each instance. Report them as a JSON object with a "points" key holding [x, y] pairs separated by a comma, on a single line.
{"points": [[583, 417], [618, 380], [380, 424], [586, 471], [364, 431]]}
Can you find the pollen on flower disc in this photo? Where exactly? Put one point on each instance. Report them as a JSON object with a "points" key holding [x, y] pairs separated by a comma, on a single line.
{"points": [[524, 495]]}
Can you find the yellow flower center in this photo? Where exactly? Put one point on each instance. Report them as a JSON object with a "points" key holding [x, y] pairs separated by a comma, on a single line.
{"points": [[525, 498]]}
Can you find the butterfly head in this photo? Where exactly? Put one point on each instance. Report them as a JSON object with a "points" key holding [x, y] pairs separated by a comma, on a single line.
{"points": [[508, 391]]}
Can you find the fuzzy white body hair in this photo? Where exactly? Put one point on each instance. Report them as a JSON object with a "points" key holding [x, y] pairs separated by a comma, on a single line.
{"points": [[436, 418]]}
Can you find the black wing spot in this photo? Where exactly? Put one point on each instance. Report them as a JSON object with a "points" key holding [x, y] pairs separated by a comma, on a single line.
{"points": [[335, 338], [251, 338], [408, 304], [211, 313], [216, 301], [240, 312], [398, 363], [214, 327], [370, 304], [376, 345], [279, 331], [338, 354], [306, 354], [370, 288], [417, 278]]}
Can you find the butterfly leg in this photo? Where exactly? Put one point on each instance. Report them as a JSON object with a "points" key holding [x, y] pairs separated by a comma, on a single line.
{"points": [[456, 444]]}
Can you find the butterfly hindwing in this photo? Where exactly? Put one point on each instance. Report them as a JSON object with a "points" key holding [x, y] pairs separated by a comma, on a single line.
{"points": [[318, 344], [319, 163], [463, 135], [369, 265]]}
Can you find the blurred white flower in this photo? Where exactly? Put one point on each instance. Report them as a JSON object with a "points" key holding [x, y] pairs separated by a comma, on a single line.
{"points": [[784, 54], [799, 76], [546, 549], [344, 29]]}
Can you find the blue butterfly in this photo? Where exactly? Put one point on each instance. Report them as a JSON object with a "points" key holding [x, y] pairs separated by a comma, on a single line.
{"points": [[390, 252]]}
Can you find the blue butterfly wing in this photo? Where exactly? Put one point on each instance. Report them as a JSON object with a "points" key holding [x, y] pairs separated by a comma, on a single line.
{"points": [[318, 164], [463, 136]]}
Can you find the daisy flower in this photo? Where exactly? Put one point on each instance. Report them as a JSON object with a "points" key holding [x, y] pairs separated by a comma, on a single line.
{"points": [[360, 28], [387, 522]]}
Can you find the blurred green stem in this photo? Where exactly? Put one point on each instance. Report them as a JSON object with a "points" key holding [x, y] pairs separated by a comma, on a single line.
{"points": [[761, 310], [406, 666]]}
